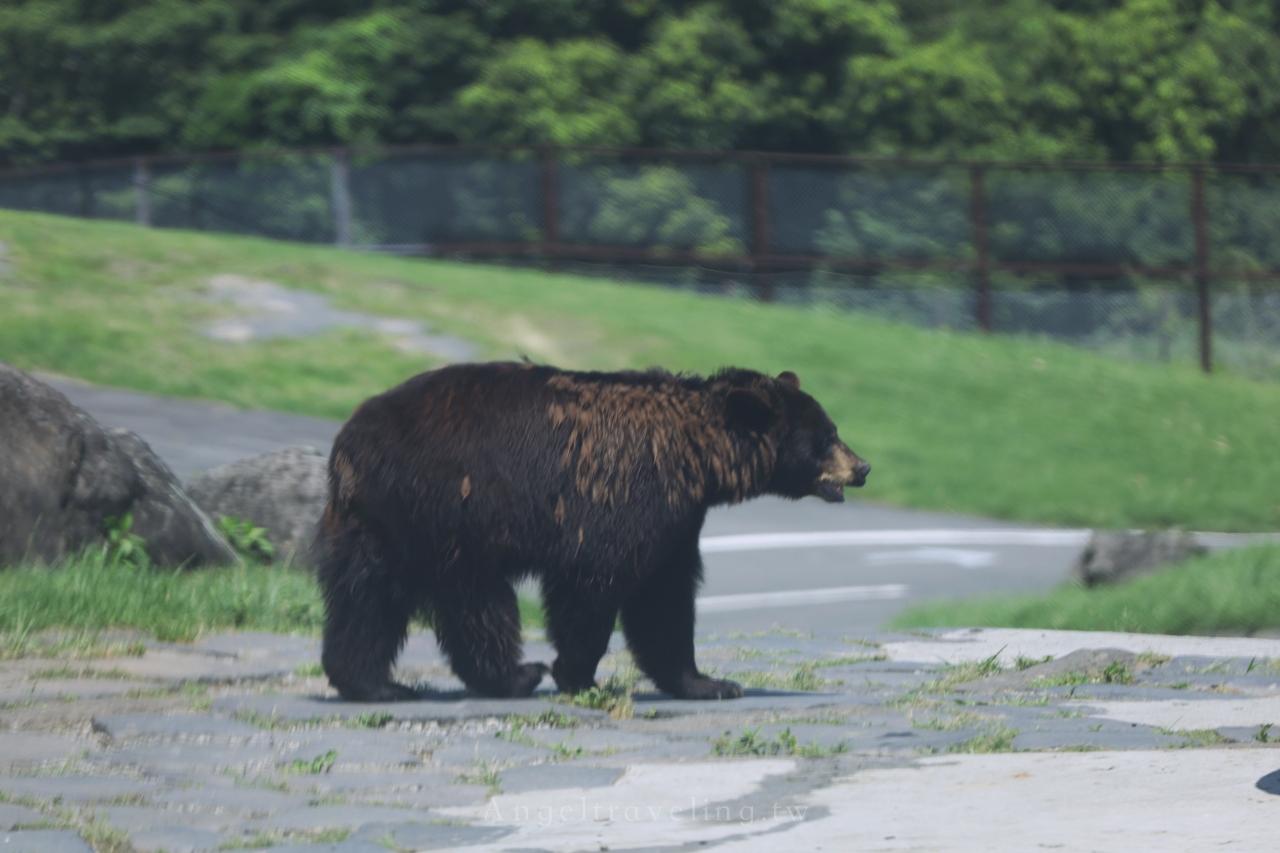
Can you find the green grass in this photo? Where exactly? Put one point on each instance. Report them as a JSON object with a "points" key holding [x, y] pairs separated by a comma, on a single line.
{"points": [[1228, 592], [91, 593], [1008, 427]]}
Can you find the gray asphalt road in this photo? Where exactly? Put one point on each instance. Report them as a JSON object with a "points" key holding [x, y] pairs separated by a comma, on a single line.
{"points": [[805, 564]]}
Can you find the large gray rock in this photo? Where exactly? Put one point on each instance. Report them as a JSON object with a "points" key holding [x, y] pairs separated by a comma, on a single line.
{"points": [[62, 476], [1114, 556], [284, 491]]}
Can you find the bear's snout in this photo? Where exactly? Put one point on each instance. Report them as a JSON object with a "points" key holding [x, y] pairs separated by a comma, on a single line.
{"points": [[841, 468]]}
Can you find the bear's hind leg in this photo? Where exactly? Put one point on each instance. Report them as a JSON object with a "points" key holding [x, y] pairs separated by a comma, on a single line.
{"points": [[479, 630], [658, 619], [366, 614]]}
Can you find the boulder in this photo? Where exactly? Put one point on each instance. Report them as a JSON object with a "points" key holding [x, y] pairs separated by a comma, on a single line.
{"points": [[284, 491], [63, 475], [1114, 556]]}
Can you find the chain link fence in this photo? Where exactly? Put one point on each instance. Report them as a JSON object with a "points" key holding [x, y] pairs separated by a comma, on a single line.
{"points": [[1169, 263]]}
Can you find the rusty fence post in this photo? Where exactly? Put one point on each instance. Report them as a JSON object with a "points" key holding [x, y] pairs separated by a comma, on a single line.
{"points": [[550, 203], [142, 192], [340, 196], [1199, 218], [978, 212], [761, 238]]}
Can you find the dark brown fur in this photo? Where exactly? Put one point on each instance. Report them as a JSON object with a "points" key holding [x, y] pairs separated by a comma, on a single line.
{"points": [[446, 489]]}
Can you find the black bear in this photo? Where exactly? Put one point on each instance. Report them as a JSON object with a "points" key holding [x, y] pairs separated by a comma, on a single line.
{"points": [[448, 488]]}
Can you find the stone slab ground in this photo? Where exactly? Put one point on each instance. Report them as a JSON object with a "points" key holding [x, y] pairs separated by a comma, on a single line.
{"points": [[959, 740]]}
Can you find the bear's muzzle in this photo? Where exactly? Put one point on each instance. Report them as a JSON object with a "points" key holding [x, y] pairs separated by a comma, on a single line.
{"points": [[842, 468]]}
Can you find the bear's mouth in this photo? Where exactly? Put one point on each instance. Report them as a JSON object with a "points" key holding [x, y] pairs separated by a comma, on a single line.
{"points": [[831, 491]]}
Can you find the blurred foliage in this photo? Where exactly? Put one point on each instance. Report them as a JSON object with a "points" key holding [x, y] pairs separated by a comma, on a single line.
{"points": [[1123, 79]]}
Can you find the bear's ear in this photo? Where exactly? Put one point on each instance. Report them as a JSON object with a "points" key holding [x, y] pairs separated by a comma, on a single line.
{"points": [[786, 377], [748, 409]]}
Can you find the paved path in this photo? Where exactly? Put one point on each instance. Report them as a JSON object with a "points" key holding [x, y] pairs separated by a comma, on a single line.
{"points": [[881, 742]]}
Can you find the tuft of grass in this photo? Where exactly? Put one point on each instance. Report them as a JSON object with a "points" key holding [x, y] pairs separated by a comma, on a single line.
{"points": [[548, 719], [1114, 673], [101, 836], [1022, 662], [998, 738], [801, 678], [566, 751], [1228, 591], [947, 724], [371, 720], [957, 421], [310, 670], [485, 773], [92, 593], [751, 742], [954, 675], [260, 839], [319, 764], [613, 696], [1195, 737]]}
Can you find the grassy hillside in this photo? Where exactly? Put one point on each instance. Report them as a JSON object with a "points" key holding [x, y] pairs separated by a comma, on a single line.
{"points": [[1016, 428]]}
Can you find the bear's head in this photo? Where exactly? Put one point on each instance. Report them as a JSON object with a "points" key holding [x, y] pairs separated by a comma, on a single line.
{"points": [[811, 459]]}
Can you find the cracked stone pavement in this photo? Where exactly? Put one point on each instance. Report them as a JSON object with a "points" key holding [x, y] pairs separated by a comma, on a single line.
{"points": [[876, 742]]}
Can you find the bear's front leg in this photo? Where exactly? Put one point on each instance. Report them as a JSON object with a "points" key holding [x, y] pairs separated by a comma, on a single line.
{"points": [[579, 623], [658, 621]]}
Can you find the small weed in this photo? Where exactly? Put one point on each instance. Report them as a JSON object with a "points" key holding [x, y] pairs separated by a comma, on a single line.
{"points": [[801, 678], [486, 774], [270, 838], [1192, 738], [248, 540], [319, 764], [961, 673], [1263, 735], [549, 719], [371, 720], [310, 670], [1115, 672], [998, 738], [1181, 685], [613, 697], [947, 724], [1151, 660], [1022, 662], [65, 671], [515, 734], [102, 837], [751, 742], [1065, 679], [849, 660], [123, 546], [565, 752]]}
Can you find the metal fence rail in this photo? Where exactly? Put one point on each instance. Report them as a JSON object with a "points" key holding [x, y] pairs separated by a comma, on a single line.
{"points": [[1072, 250]]}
